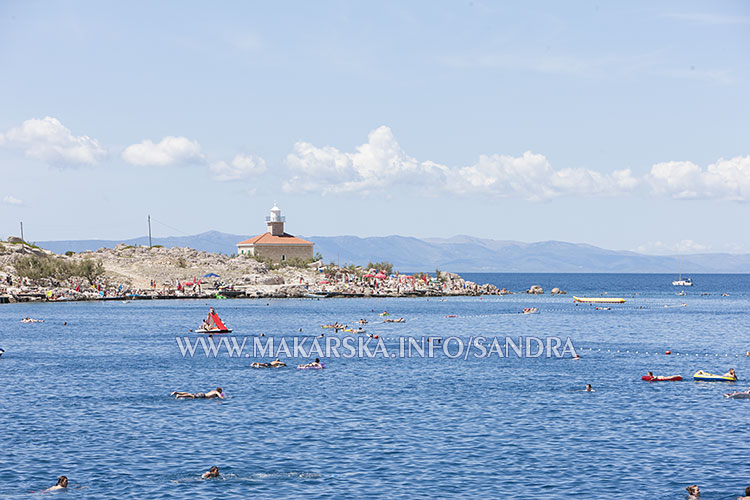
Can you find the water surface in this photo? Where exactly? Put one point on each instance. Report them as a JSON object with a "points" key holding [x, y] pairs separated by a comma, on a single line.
{"points": [[90, 399]]}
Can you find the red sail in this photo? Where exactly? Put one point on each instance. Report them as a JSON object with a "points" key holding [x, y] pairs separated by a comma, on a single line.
{"points": [[218, 322]]}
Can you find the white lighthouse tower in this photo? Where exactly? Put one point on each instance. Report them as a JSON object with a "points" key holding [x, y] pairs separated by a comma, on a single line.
{"points": [[275, 221], [276, 245]]}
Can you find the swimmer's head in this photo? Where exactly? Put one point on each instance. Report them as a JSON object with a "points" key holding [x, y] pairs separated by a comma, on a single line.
{"points": [[317, 360], [747, 491], [693, 490], [588, 387], [62, 482], [650, 374], [218, 389]]}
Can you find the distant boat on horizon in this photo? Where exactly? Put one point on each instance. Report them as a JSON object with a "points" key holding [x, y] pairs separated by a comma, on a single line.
{"points": [[682, 282]]}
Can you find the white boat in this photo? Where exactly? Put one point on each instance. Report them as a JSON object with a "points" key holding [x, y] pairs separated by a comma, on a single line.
{"points": [[682, 282]]}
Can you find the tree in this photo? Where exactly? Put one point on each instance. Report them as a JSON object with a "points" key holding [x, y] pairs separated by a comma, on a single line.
{"points": [[385, 267], [90, 269]]}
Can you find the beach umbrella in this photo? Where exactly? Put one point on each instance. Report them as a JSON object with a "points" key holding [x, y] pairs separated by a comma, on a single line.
{"points": [[381, 276], [211, 275], [324, 282], [369, 276]]}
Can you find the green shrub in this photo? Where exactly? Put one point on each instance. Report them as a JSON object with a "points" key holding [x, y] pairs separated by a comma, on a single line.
{"points": [[34, 267], [385, 267]]}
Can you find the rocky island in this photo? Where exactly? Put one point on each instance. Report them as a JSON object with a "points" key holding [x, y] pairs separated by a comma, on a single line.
{"points": [[28, 272]]}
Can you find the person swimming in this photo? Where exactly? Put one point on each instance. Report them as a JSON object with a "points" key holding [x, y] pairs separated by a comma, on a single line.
{"points": [[738, 393], [62, 483], [588, 388], [576, 356], [216, 393], [276, 363], [211, 473], [314, 364], [693, 491], [747, 494], [731, 373]]}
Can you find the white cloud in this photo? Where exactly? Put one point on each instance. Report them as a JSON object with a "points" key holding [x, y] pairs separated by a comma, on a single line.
{"points": [[725, 179], [11, 200], [680, 247], [245, 41], [531, 176], [378, 164], [709, 18], [242, 166], [48, 140], [169, 151], [381, 163]]}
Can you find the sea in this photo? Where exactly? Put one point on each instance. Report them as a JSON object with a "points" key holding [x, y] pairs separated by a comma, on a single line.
{"points": [[86, 394]]}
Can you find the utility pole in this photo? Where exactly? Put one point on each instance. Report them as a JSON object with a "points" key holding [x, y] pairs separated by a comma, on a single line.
{"points": [[149, 231], [22, 231]]}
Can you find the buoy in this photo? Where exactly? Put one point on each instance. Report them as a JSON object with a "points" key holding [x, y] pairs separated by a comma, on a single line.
{"points": [[667, 352], [375, 336]]}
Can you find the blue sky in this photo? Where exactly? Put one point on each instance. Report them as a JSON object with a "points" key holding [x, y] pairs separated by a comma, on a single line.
{"points": [[619, 125]]}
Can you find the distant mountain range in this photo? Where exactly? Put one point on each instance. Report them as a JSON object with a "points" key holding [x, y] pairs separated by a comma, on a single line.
{"points": [[459, 254]]}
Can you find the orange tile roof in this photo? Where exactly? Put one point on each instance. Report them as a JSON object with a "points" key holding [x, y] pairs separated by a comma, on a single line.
{"points": [[268, 239]]}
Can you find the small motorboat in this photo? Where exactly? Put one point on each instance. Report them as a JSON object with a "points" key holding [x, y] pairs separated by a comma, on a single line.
{"points": [[657, 378], [530, 310]]}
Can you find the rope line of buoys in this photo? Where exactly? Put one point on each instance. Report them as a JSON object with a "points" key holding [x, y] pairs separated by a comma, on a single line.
{"points": [[665, 353], [557, 309]]}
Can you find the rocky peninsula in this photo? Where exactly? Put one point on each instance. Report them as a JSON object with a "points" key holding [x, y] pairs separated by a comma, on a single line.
{"points": [[125, 272]]}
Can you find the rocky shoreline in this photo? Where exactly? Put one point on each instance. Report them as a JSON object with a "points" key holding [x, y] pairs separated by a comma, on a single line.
{"points": [[29, 273]]}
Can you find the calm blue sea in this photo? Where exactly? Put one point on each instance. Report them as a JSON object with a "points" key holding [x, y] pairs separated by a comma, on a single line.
{"points": [[90, 399]]}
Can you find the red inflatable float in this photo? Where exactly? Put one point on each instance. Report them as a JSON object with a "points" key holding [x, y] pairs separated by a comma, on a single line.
{"points": [[672, 378]]}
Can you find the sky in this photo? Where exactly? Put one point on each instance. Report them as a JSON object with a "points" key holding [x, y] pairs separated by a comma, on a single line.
{"points": [[618, 124]]}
